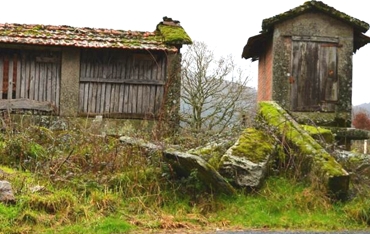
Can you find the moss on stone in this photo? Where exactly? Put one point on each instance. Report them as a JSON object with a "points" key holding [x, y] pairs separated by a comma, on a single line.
{"points": [[337, 119], [213, 152], [319, 133], [291, 131], [255, 145], [174, 34]]}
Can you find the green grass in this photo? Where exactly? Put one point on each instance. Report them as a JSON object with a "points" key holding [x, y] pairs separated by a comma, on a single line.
{"points": [[283, 204], [97, 185]]}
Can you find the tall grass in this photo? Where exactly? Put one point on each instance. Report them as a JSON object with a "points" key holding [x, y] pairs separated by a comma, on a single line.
{"points": [[94, 184]]}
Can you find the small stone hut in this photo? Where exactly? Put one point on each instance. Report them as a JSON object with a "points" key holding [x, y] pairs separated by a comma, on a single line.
{"points": [[305, 61]]}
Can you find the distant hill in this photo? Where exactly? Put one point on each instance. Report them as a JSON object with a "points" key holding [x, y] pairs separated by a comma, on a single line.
{"points": [[364, 106]]}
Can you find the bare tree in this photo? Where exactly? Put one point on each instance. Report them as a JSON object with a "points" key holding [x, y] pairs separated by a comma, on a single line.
{"points": [[214, 95]]}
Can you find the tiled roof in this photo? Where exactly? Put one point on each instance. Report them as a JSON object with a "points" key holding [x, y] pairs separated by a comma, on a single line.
{"points": [[86, 37]]}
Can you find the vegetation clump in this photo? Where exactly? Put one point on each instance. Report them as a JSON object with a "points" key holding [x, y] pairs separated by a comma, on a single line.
{"points": [[73, 181]]}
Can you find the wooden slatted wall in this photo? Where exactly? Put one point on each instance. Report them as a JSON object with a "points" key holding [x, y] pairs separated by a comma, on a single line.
{"points": [[116, 83], [33, 75]]}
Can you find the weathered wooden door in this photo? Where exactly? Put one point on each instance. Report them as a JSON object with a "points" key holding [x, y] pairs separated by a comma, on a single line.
{"points": [[314, 83], [31, 75], [121, 84]]}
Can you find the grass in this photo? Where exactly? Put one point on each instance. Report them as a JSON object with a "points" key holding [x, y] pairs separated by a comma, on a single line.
{"points": [[94, 184]]}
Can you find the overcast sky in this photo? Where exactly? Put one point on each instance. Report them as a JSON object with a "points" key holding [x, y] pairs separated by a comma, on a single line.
{"points": [[224, 25]]}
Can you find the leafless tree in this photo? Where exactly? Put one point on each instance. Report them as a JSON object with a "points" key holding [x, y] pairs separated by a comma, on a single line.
{"points": [[214, 94]]}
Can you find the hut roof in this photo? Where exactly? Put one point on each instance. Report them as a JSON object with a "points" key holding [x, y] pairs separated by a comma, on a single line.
{"points": [[255, 44], [167, 36]]}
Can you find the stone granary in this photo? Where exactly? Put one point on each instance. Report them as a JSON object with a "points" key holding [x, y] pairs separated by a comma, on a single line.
{"points": [[74, 71], [305, 62]]}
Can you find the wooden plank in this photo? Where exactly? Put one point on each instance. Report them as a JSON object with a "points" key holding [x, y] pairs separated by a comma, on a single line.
{"points": [[30, 86], [54, 80], [108, 90], [25, 104], [10, 78], [119, 115], [37, 80], [121, 98], [57, 86], [152, 99], [1, 76], [90, 98], [116, 98], [45, 59], [18, 79], [145, 101], [42, 77], [134, 98], [102, 98], [22, 85], [48, 81], [95, 98], [126, 99], [139, 99], [86, 98], [123, 81], [158, 98], [315, 39], [81, 97], [112, 98], [98, 97]]}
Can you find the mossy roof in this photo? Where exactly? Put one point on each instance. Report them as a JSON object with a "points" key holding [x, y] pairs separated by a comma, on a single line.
{"points": [[254, 47], [314, 6], [164, 38]]}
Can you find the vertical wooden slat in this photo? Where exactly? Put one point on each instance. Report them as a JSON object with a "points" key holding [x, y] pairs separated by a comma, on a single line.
{"points": [[106, 97], [81, 98], [54, 80], [121, 98], [42, 87], [30, 78], [10, 78], [18, 78], [22, 82], [48, 82], [86, 97], [126, 100], [57, 86], [102, 97], [95, 97], [152, 99], [36, 79], [1, 76]]}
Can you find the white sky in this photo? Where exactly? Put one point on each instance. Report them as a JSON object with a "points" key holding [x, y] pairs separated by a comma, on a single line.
{"points": [[224, 25]]}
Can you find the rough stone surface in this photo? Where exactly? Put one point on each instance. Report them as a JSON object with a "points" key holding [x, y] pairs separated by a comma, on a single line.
{"points": [[243, 172], [6, 192], [317, 160], [184, 164], [246, 162]]}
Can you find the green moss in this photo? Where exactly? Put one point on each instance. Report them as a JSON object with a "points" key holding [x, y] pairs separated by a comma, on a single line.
{"points": [[254, 145], [319, 133], [293, 133], [329, 119], [174, 34], [212, 153]]}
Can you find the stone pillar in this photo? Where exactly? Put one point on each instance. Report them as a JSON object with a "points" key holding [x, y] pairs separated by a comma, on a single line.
{"points": [[172, 93], [70, 77]]}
